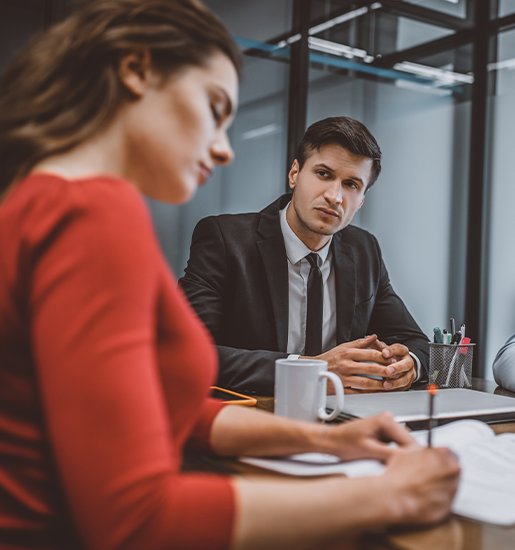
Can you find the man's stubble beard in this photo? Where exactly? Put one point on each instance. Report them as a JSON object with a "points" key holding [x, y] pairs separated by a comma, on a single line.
{"points": [[328, 232]]}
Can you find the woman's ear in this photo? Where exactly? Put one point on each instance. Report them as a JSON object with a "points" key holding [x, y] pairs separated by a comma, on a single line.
{"points": [[135, 68]]}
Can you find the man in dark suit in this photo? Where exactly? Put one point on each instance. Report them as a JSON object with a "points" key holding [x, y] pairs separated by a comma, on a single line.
{"points": [[297, 279]]}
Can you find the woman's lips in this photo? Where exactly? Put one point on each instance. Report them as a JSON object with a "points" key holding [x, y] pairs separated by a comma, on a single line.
{"points": [[205, 173]]}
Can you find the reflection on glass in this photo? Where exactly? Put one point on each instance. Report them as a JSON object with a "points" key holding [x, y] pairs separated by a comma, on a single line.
{"points": [[506, 7], [505, 64], [458, 8], [261, 20], [501, 284], [367, 32], [412, 33]]}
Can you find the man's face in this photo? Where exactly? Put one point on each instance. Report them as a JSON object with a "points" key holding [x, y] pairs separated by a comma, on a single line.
{"points": [[327, 192]]}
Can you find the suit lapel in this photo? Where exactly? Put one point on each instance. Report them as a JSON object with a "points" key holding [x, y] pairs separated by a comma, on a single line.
{"points": [[273, 255], [345, 279]]}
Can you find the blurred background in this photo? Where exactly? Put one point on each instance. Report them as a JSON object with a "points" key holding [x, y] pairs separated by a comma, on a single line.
{"points": [[433, 80]]}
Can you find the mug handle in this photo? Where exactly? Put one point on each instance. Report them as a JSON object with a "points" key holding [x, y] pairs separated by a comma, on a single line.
{"points": [[338, 386]]}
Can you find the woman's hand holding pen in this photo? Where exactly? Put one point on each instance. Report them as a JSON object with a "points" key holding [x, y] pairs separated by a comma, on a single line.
{"points": [[367, 438], [421, 484]]}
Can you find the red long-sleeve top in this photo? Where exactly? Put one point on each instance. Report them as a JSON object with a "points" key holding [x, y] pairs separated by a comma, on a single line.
{"points": [[104, 376]]}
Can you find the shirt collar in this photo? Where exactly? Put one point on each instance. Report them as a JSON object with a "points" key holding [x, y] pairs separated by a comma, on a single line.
{"points": [[295, 248]]}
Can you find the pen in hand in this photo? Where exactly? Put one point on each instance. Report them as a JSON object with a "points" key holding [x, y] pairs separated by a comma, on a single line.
{"points": [[432, 390]]}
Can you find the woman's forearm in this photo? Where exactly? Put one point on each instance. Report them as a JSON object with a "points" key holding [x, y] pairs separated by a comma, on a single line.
{"points": [[306, 514], [242, 431], [417, 488]]}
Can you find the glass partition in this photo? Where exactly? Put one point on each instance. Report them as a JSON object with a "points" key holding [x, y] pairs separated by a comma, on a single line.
{"points": [[458, 8], [501, 264], [506, 7]]}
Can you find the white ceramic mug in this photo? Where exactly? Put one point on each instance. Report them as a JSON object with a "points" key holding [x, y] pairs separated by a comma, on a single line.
{"points": [[301, 389]]}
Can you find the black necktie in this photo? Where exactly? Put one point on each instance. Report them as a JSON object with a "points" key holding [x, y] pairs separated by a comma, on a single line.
{"points": [[314, 317]]}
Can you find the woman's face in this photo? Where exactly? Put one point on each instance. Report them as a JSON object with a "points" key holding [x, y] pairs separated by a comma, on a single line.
{"points": [[176, 130]]}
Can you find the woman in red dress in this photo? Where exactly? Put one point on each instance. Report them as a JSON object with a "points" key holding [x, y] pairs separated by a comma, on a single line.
{"points": [[104, 368]]}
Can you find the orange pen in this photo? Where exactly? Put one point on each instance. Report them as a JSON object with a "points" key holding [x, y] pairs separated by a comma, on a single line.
{"points": [[432, 389]]}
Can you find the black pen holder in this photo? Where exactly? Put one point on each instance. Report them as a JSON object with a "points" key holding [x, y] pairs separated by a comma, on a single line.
{"points": [[450, 366]]}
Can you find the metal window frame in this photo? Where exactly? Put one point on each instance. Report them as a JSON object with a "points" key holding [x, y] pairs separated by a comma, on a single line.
{"points": [[298, 82], [478, 190]]}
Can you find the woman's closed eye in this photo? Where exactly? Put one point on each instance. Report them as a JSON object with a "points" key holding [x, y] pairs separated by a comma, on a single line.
{"points": [[218, 113]]}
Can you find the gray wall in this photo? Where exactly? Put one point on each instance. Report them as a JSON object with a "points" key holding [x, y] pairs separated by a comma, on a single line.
{"points": [[501, 262], [501, 287]]}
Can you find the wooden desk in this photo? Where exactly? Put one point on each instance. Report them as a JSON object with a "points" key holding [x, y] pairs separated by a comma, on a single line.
{"points": [[454, 534]]}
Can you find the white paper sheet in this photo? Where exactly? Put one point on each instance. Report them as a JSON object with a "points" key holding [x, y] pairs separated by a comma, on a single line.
{"points": [[487, 484]]}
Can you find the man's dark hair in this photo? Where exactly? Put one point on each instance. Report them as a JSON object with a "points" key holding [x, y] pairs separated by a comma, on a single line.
{"points": [[346, 132]]}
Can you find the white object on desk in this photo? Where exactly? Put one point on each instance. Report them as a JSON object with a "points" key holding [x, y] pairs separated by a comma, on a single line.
{"points": [[412, 406], [316, 464], [301, 390], [487, 484]]}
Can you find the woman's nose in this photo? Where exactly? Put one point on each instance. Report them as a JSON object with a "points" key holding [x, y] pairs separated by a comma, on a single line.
{"points": [[221, 150]]}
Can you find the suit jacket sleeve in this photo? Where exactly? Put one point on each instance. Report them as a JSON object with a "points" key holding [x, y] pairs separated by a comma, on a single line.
{"points": [[208, 284], [392, 322]]}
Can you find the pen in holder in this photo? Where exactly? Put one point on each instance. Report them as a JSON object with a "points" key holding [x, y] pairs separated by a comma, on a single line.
{"points": [[450, 365]]}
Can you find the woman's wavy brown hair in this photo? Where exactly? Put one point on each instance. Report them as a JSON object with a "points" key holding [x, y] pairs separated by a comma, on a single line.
{"points": [[64, 87]]}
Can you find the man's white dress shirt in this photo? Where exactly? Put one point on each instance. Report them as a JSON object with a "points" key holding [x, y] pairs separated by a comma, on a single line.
{"points": [[298, 273]]}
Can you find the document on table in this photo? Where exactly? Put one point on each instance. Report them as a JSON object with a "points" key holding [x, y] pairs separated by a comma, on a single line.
{"points": [[487, 484]]}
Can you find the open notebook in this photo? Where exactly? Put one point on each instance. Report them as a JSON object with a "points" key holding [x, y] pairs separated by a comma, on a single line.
{"points": [[487, 484]]}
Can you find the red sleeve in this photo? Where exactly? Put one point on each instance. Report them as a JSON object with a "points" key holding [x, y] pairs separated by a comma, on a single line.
{"points": [[93, 301], [200, 436]]}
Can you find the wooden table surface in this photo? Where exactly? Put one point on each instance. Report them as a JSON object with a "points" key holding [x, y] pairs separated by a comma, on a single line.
{"points": [[455, 534]]}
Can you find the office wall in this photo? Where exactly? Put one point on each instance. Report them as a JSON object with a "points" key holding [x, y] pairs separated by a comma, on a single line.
{"points": [[257, 20], [501, 260], [501, 265]]}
